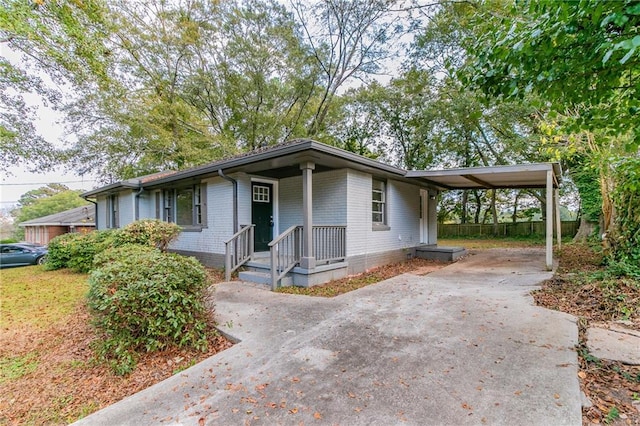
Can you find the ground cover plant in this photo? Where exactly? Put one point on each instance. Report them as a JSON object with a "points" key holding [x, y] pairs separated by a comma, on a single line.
{"points": [[584, 287], [48, 368]]}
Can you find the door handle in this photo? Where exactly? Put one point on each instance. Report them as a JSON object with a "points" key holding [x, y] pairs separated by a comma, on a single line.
{"points": [[270, 220]]}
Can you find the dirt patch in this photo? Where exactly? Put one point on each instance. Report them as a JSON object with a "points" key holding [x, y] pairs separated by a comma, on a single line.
{"points": [[583, 288]]}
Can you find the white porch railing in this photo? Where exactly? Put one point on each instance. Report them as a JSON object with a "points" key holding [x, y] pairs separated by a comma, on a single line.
{"points": [[286, 251], [329, 243], [238, 250]]}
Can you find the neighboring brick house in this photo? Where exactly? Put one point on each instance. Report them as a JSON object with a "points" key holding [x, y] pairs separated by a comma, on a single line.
{"points": [[297, 213], [44, 229]]}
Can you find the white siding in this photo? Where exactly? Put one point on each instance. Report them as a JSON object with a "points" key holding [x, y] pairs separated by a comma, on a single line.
{"points": [[402, 208], [219, 221], [102, 213], [329, 199], [147, 205], [127, 207]]}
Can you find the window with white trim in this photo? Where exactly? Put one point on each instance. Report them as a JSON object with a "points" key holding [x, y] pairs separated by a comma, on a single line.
{"points": [[378, 202]]}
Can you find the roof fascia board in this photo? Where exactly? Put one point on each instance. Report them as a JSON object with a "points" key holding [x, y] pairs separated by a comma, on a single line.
{"points": [[295, 148], [482, 170], [58, 224]]}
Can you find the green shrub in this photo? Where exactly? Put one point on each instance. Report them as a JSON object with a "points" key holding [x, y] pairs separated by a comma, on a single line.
{"points": [[146, 300], [115, 254], [151, 232], [60, 251], [84, 249], [625, 236], [8, 241]]}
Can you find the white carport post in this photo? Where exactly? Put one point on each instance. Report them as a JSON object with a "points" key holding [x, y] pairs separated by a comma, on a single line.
{"points": [[549, 220], [556, 195]]}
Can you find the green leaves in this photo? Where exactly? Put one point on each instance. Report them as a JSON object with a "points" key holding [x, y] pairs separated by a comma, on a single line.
{"points": [[574, 54], [145, 300]]}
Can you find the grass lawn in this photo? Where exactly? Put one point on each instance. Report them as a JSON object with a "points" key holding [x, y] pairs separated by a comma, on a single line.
{"points": [[37, 298], [471, 243], [48, 372]]}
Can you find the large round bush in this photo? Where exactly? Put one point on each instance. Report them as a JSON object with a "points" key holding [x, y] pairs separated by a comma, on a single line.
{"points": [[145, 301]]}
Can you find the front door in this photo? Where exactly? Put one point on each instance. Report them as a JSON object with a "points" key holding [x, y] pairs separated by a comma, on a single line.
{"points": [[262, 214]]}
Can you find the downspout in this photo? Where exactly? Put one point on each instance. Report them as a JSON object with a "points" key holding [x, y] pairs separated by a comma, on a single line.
{"points": [[235, 198], [137, 207], [95, 214]]}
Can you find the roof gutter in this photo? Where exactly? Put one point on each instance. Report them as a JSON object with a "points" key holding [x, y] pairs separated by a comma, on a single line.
{"points": [[235, 198], [95, 214], [137, 203]]}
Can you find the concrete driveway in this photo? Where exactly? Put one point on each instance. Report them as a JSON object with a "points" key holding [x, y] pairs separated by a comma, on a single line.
{"points": [[462, 345]]}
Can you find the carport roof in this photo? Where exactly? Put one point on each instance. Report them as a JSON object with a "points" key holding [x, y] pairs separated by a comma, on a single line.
{"points": [[516, 176]]}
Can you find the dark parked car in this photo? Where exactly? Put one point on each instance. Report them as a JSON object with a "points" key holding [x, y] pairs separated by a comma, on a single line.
{"points": [[21, 254]]}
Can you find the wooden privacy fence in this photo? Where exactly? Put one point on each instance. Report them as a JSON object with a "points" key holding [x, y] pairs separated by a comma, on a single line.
{"points": [[506, 229]]}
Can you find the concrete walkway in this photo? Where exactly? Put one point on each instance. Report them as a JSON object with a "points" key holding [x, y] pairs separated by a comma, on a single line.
{"points": [[462, 345]]}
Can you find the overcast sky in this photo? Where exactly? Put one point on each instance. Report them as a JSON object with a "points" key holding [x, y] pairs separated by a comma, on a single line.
{"points": [[19, 180]]}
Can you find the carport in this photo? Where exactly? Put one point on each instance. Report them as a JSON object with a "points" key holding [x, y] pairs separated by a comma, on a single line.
{"points": [[523, 176]]}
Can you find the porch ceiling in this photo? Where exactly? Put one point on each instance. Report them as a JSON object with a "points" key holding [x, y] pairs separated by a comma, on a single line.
{"points": [[517, 176]]}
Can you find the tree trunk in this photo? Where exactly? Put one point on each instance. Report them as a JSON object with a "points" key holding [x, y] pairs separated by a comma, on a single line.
{"points": [[585, 230], [465, 201], [494, 212], [478, 200], [514, 216]]}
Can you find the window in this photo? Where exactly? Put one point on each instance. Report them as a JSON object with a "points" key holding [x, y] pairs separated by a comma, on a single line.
{"points": [[261, 194], [378, 203], [168, 205], [112, 211], [185, 206]]}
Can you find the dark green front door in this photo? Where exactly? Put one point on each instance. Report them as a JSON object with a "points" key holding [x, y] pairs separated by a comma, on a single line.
{"points": [[262, 214]]}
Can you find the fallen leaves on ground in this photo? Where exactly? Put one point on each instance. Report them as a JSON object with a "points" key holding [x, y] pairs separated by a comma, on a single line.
{"points": [[582, 288], [66, 383]]}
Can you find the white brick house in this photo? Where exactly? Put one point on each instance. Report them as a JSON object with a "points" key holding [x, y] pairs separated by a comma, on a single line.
{"points": [[296, 213]]}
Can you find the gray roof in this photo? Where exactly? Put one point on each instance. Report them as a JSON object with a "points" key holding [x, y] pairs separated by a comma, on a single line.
{"points": [[281, 160], [79, 216]]}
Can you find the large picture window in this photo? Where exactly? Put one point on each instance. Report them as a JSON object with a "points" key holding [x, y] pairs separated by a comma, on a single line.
{"points": [[378, 202], [184, 206]]}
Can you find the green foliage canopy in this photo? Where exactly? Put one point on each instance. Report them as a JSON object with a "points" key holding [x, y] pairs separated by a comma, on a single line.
{"points": [[50, 199], [582, 57]]}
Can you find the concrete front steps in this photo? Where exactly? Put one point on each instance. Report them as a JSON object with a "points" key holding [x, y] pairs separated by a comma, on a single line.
{"points": [[441, 253], [259, 271]]}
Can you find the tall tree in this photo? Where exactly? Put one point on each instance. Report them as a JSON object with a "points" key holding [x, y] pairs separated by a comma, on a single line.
{"points": [[583, 59], [60, 39], [349, 39]]}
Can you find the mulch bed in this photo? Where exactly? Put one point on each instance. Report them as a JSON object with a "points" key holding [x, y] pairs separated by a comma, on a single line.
{"points": [[582, 288], [372, 276]]}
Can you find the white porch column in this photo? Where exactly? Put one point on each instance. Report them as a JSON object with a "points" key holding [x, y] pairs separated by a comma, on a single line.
{"points": [[549, 221], [308, 260], [556, 196]]}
